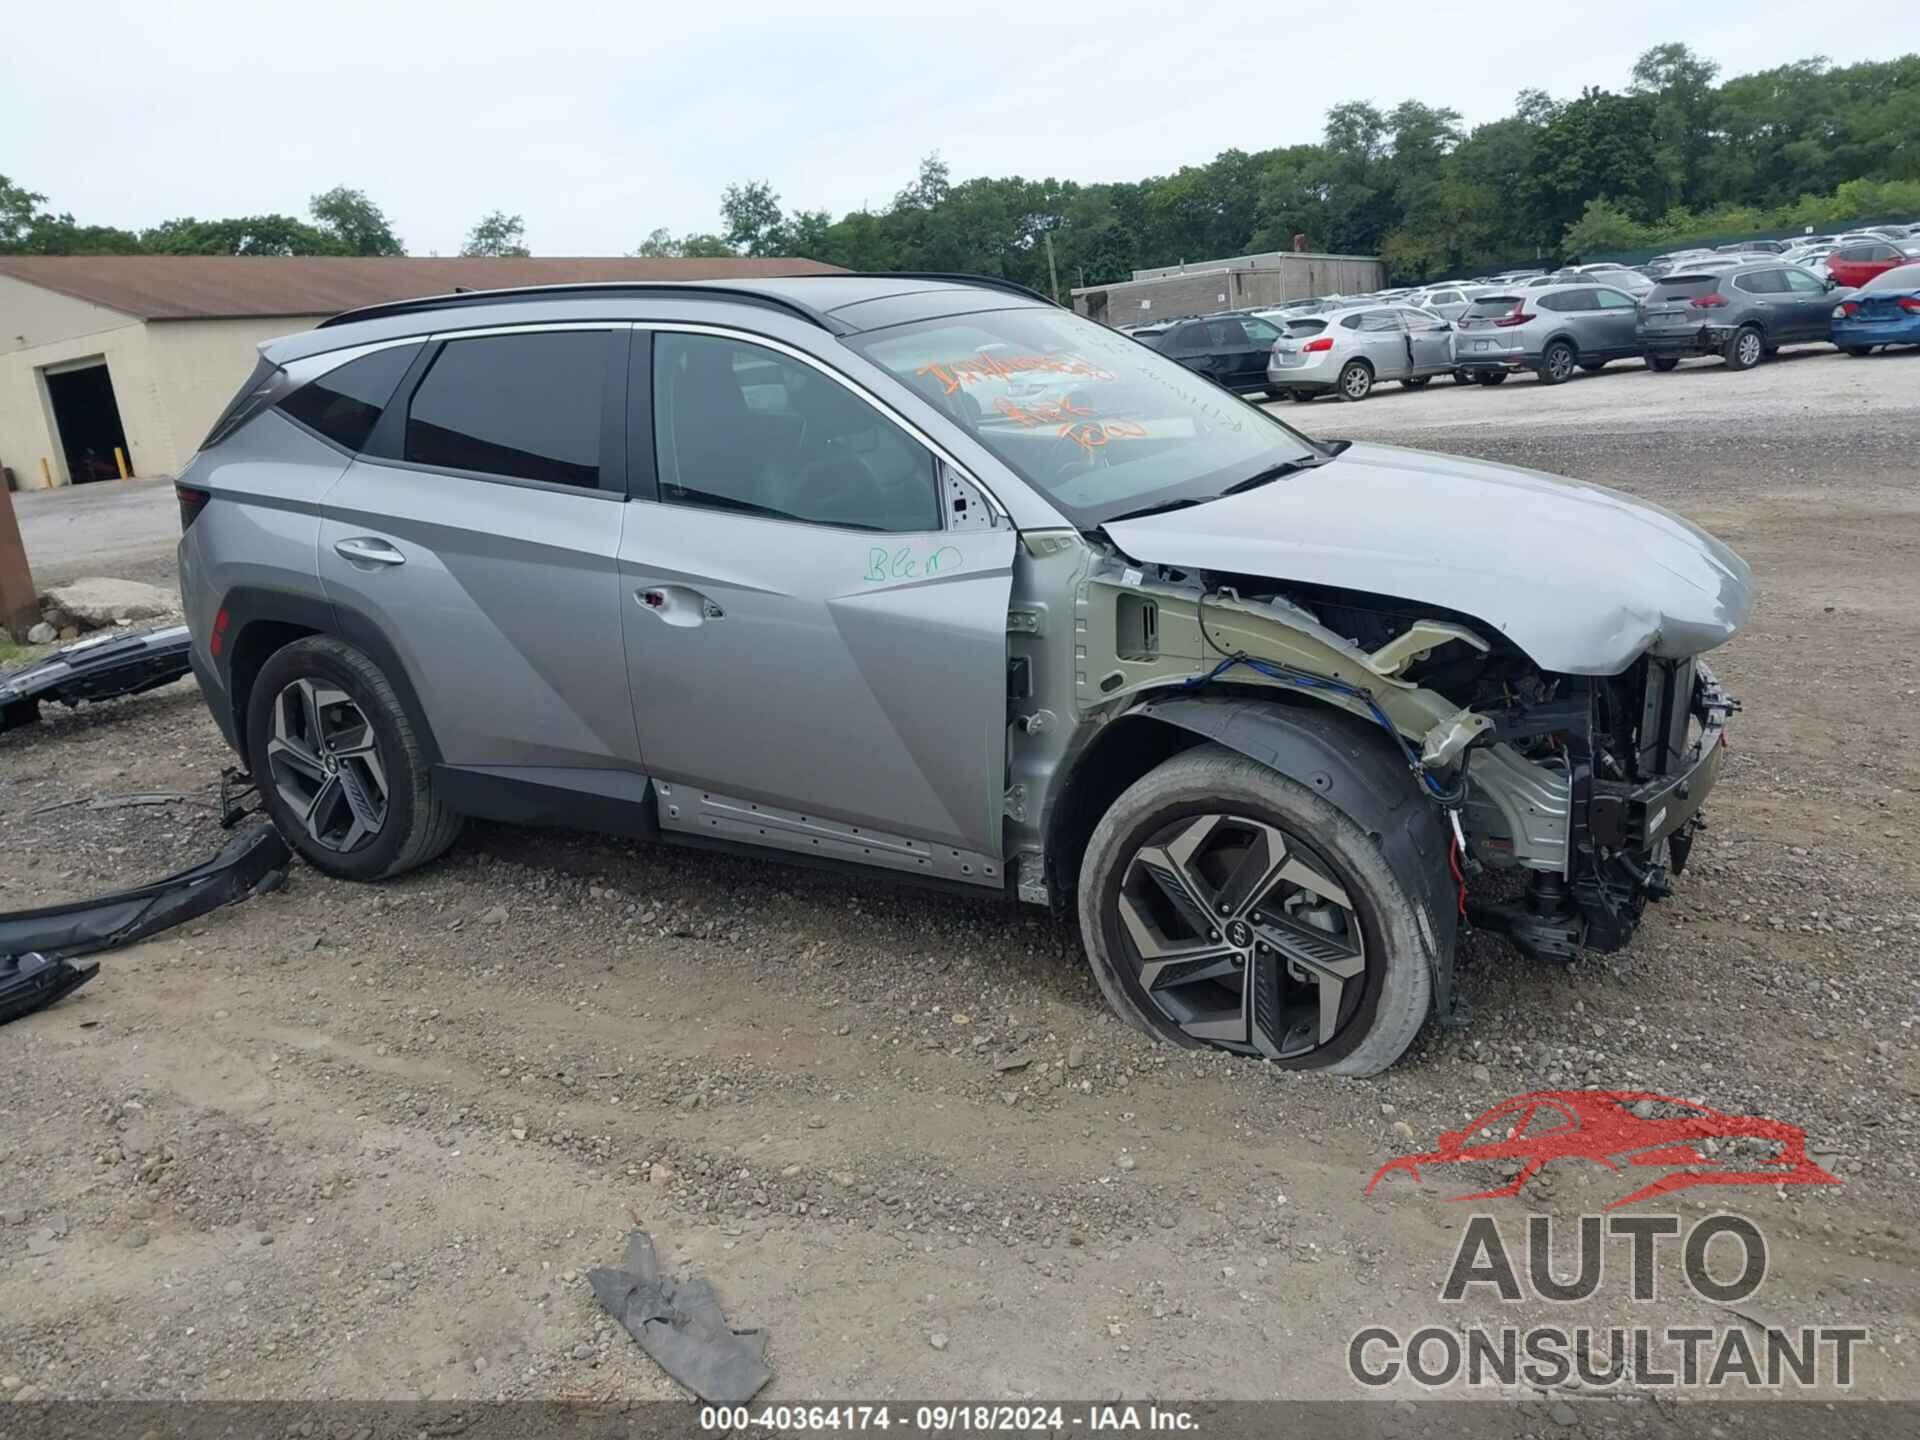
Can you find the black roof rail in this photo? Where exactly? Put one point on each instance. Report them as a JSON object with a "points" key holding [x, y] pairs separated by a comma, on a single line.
{"points": [[991, 282], [603, 289]]}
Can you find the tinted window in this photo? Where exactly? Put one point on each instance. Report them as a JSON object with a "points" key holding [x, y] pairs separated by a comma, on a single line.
{"points": [[1378, 321], [1804, 282], [1565, 300], [1305, 327], [1192, 337], [1762, 282], [1683, 287], [343, 404], [1493, 305], [1445, 297], [525, 406], [743, 428]]}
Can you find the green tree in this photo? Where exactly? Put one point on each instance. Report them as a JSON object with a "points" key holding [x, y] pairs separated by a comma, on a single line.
{"points": [[242, 235], [754, 223], [19, 207], [359, 225], [1680, 84], [497, 233]]}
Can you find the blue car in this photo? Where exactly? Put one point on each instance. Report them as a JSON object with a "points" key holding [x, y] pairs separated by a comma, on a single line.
{"points": [[1884, 311]]}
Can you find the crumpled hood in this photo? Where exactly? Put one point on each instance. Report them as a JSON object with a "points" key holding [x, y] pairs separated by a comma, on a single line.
{"points": [[1580, 577]]}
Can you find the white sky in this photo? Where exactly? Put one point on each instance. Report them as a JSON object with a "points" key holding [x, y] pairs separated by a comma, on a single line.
{"points": [[599, 121]]}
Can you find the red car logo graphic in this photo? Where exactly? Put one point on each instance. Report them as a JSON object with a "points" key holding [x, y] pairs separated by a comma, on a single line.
{"points": [[1599, 1126]]}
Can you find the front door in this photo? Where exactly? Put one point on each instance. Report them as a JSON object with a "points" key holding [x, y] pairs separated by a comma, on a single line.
{"points": [[1260, 338], [1429, 342], [817, 660], [1812, 304]]}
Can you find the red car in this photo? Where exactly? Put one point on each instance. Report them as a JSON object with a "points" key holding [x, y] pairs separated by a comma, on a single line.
{"points": [[1855, 264], [1599, 1126]]}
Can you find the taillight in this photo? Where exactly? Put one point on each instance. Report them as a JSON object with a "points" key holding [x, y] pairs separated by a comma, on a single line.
{"points": [[1846, 308], [1518, 317], [1316, 347], [217, 641], [1909, 303], [1711, 301], [192, 502]]}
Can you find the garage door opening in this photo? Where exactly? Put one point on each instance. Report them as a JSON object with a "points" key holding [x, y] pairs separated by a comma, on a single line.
{"points": [[87, 420]]}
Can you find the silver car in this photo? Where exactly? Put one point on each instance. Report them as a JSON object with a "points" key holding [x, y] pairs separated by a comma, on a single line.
{"points": [[1349, 352], [1549, 331], [932, 579]]}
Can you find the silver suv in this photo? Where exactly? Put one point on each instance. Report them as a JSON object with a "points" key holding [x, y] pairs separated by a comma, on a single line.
{"points": [[1548, 330], [927, 577]]}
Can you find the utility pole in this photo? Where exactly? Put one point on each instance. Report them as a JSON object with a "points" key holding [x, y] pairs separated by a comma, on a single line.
{"points": [[1053, 272]]}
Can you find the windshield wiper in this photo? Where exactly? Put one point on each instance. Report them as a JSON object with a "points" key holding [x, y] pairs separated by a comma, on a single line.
{"points": [[1161, 509], [1272, 473]]}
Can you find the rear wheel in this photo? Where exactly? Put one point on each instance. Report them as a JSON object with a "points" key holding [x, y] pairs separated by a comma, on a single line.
{"points": [[1662, 363], [1858, 351], [1226, 905], [1356, 381], [1417, 382], [339, 767], [1556, 363], [1744, 350], [1462, 377]]}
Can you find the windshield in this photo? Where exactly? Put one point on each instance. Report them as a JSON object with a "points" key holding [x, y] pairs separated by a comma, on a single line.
{"points": [[1100, 425]]}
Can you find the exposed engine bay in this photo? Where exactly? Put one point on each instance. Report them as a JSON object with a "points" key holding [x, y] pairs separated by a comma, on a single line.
{"points": [[1586, 790]]}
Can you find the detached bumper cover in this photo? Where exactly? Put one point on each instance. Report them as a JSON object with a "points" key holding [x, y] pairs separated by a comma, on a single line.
{"points": [[35, 945], [1700, 340], [99, 667]]}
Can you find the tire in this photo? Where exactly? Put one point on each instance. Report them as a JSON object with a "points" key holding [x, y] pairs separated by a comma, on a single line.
{"points": [[1744, 349], [1300, 397], [288, 726], [1662, 363], [1490, 377], [1355, 382], [1379, 1007], [1593, 367], [1416, 382], [1859, 352], [1556, 363], [1463, 377]]}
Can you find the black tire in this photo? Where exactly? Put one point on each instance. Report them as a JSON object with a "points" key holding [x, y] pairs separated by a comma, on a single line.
{"points": [[1300, 397], [1416, 382], [1395, 987], [1661, 364], [1355, 382], [1744, 349], [415, 825], [1490, 377], [1556, 363], [1463, 377], [1859, 352], [1593, 367]]}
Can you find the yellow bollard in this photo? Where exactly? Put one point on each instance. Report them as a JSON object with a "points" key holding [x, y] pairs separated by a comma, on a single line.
{"points": [[46, 474], [120, 459]]}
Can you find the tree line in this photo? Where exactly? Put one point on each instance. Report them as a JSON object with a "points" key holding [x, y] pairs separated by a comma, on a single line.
{"points": [[1677, 153]]}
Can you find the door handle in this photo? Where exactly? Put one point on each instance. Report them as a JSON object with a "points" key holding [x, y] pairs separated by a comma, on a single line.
{"points": [[364, 550], [678, 605]]}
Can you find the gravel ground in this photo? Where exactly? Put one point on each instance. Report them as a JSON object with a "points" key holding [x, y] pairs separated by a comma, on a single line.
{"points": [[366, 1141]]}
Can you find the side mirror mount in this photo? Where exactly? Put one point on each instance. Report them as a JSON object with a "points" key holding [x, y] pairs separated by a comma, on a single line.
{"points": [[1832, 284]]}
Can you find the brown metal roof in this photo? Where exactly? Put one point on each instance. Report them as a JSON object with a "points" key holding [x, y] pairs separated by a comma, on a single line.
{"points": [[204, 287]]}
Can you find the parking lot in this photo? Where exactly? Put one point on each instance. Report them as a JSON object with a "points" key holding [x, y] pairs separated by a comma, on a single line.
{"points": [[360, 1141]]}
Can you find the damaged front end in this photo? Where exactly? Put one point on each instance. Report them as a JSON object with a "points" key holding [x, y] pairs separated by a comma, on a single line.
{"points": [[1586, 789]]}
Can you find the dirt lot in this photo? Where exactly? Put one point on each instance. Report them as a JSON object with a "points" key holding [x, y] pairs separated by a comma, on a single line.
{"points": [[366, 1141]]}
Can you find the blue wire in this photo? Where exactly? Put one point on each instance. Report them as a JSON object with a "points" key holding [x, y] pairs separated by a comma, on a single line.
{"points": [[1315, 682]]}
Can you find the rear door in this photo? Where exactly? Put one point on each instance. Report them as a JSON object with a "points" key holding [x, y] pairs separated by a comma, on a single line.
{"points": [[1258, 337], [1429, 341], [815, 635], [478, 533], [1613, 317]]}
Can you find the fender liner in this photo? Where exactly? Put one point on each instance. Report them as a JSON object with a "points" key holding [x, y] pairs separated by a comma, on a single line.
{"points": [[1356, 768]]}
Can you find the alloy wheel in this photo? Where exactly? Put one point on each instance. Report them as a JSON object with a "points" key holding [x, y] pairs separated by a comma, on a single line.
{"points": [[1356, 382], [1750, 347], [1240, 935], [325, 764], [1560, 362]]}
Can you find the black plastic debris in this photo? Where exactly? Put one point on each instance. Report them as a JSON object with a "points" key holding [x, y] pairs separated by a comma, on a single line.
{"points": [[100, 667], [680, 1325], [36, 945]]}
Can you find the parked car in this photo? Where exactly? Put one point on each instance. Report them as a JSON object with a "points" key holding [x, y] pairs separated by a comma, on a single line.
{"points": [[1229, 349], [1359, 348], [783, 567], [1741, 315], [1855, 263], [1884, 311], [1754, 247], [1548, 331], [1450, 302]]}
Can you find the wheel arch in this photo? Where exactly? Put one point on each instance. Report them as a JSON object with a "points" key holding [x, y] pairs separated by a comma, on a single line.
{"points": [[1572, 342], [262, 622]]}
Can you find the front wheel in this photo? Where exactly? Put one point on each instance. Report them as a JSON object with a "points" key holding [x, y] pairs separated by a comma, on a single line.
{"points": [[1744, 350], [341, 771], [1226, 905], [1356, 381], [1661, 364], [1556, 363]]}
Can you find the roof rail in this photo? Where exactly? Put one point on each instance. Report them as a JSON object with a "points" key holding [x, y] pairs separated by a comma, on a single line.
{"points": [[991, 282], [608, 289]]}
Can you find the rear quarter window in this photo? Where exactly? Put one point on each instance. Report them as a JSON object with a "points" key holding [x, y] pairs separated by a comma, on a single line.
{"points": [[344, 404]]}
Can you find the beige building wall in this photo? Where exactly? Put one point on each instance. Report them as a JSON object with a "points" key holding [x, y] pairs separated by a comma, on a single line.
{"points": [[197, 365], [171, 378]]}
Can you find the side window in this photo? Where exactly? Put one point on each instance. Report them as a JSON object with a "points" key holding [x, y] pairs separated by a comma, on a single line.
{"points": [[1614, 300], [1260, 332], [1352, 322], [1224, 335], [1805, 283], [743, 428], [1189, 338], [522, 406], [1380, 321], [1882, 252], [344, 403], [1558, 302], [1762, 282]]}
